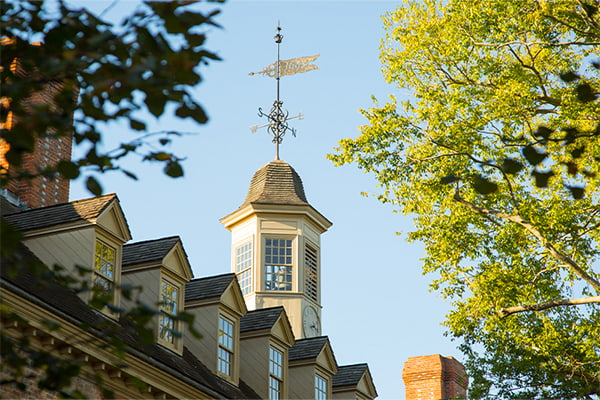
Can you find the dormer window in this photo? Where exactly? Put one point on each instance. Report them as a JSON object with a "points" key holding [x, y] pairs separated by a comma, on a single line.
{"points": [[278, 264], [320, 388], [226, 343], [169, 307], [275, 374], [104, 267]]}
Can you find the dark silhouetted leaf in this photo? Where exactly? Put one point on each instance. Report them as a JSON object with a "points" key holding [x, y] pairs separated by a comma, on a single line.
{"points": [[449, 179], [585, 94], [543, 132], [511, 166], [572, 168], [576, 153], [483, 185], [173, 169], [93, 186], [137, 125], [541, 178], [130, 174], [68, 169], [569, 76], [532, 155], [576, 192]]}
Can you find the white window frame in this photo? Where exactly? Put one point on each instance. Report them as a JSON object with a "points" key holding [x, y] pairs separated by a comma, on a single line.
{"points": [[165, 314], [115, 280], [321, 387], [244, 261], [272, 268], [276, 373], [222, 346]]}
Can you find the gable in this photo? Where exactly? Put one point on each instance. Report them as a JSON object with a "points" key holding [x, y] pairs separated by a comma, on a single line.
{"points": [[233, 299], [282, 330], [366, 385], [177, 262], [326, 359], [113, 221]]}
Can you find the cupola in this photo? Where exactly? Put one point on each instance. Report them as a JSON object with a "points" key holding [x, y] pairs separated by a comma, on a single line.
{"points": [[276, 246]]}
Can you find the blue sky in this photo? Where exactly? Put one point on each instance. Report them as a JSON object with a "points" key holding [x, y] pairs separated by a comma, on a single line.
{"points": [[377, 307]]}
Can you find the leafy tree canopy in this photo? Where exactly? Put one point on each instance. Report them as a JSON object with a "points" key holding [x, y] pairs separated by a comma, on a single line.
{"points": [[497, 157], [118, 72]]}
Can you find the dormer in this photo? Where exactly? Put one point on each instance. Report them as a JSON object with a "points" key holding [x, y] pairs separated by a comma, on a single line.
{"points": [[354, 382], [266, 336], [217, 305], [312, 366], [161, 268], [96, 227]]}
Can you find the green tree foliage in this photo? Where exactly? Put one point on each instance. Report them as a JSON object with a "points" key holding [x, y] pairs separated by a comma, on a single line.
{"points": [[146, 63], [497, 157]]}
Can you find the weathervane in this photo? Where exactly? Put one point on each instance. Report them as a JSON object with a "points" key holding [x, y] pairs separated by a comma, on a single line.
{"points": [[278, 117]]}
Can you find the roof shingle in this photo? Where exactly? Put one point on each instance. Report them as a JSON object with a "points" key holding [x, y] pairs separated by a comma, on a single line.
{"points": [[349, 375], [149, 250], [205, 288], [307, 348], [276, 183], [80, 210], [260, 319]]}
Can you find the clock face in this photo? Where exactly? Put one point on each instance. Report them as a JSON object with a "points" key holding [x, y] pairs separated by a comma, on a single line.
{"points": [[311, 325]]}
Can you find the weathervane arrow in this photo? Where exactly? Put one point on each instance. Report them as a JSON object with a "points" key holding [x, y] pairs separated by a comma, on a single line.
{"points": [[289, 67]]}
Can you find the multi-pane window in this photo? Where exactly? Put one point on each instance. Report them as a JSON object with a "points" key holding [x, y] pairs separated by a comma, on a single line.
{"points": [[311, 287], [169, 300], [243, 266], [225, 352], [320, 388], [275, 373], [278, 264], [104, 267]]}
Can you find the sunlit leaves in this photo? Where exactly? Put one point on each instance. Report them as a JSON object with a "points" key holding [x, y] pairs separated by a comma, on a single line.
{"points": [[497, 158]]}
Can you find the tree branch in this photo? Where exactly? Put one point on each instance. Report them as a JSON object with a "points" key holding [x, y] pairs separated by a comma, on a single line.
{"points": [[525, 224], [504, 312]]}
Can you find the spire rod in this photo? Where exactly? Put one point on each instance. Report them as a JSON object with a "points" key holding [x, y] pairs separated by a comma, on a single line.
{"points": [[278, 116]]}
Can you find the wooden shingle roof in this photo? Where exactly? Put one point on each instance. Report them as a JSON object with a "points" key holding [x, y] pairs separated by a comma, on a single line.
{"points": [[260, 319], [80, 210], [149, 250], [276, 183], [308, 348], [349, 375], [205, 288]]}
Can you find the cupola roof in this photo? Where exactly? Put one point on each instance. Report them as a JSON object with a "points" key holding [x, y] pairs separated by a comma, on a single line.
{"points": [[276, 183]]}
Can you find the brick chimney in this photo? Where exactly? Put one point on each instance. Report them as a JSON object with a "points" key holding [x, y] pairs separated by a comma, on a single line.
{"points": [[40, 191], [434, 377]]}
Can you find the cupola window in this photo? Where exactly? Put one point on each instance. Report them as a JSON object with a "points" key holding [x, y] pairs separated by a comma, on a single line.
{"points": [[243, 266], [278, 264]]}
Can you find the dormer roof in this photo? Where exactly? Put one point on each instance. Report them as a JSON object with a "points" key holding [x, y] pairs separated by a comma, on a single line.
{"points": [[260, 319], [355, 377], [271, 321], [222, 289], [74, 213], [209, 287], [315, 350], [167, 251]]}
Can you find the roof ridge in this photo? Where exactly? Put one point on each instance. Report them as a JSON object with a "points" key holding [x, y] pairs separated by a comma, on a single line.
{"points": [[153, 240], [210, 277], [66, 203]]}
